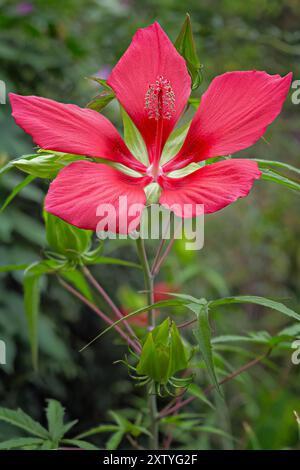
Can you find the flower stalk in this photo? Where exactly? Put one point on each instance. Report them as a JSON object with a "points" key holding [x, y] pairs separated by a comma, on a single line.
{"points": [[149, 286]]}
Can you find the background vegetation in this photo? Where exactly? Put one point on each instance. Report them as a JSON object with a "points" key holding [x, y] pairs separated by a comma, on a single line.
{"points": [[47, 48]]}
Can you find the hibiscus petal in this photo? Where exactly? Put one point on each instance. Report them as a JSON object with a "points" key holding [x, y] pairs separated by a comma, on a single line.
{"points": [[233, 114], [70, 129], [215, 186], [85, 194], [151, 55]]}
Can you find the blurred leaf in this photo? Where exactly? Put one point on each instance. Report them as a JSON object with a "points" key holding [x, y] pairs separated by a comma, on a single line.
{"points": [[16, 191], [77, 279], [13, 267], [134, 140], [185, 45], [22, 420], [196, 391], [203, 336], [31, 285]]}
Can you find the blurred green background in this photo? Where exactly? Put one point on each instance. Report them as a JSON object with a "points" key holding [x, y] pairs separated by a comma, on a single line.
{"points": [[47, 48]]}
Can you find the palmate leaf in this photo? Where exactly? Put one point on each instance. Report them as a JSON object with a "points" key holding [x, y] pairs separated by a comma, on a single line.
{"points": [[22, 420]]}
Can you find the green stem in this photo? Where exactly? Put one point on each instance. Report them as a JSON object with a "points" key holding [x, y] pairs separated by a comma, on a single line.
{"points": [[149, 285]]}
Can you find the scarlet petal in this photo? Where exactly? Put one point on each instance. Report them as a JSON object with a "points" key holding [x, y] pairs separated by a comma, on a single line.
{"points": [[215, 186], [84, 189], [70, 129], [150, 55], [233, 114]]}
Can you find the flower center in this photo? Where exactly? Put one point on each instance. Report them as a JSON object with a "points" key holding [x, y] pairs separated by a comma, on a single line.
{"points": [[160, 99], [154, 171]]}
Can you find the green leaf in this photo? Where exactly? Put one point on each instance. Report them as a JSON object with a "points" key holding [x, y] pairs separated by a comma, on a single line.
{"points": [[255, 300], [55, 417], [113, 261], [274, 177], [77, 279], [115, 440], [22, 420], [272, 163], [66, 239], [31, 286], [100, 101], [13, 267], [20, 442], [174, 143], [198, 393], [203, 336], [81, 444], [185, 45], [9, 165], [101, 81], [42, 166], [134, 140], [98, 430], [16, 191]]}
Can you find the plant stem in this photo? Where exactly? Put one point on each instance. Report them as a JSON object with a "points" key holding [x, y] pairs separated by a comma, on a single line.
{"points": [[108, 300], [149, 286], [102, 315]]}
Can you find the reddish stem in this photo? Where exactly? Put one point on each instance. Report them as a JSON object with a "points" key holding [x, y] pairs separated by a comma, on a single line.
{"points": [[102, 315]]}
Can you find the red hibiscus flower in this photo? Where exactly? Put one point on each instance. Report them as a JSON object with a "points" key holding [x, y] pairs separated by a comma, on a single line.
{"points": [[152, 83]]}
